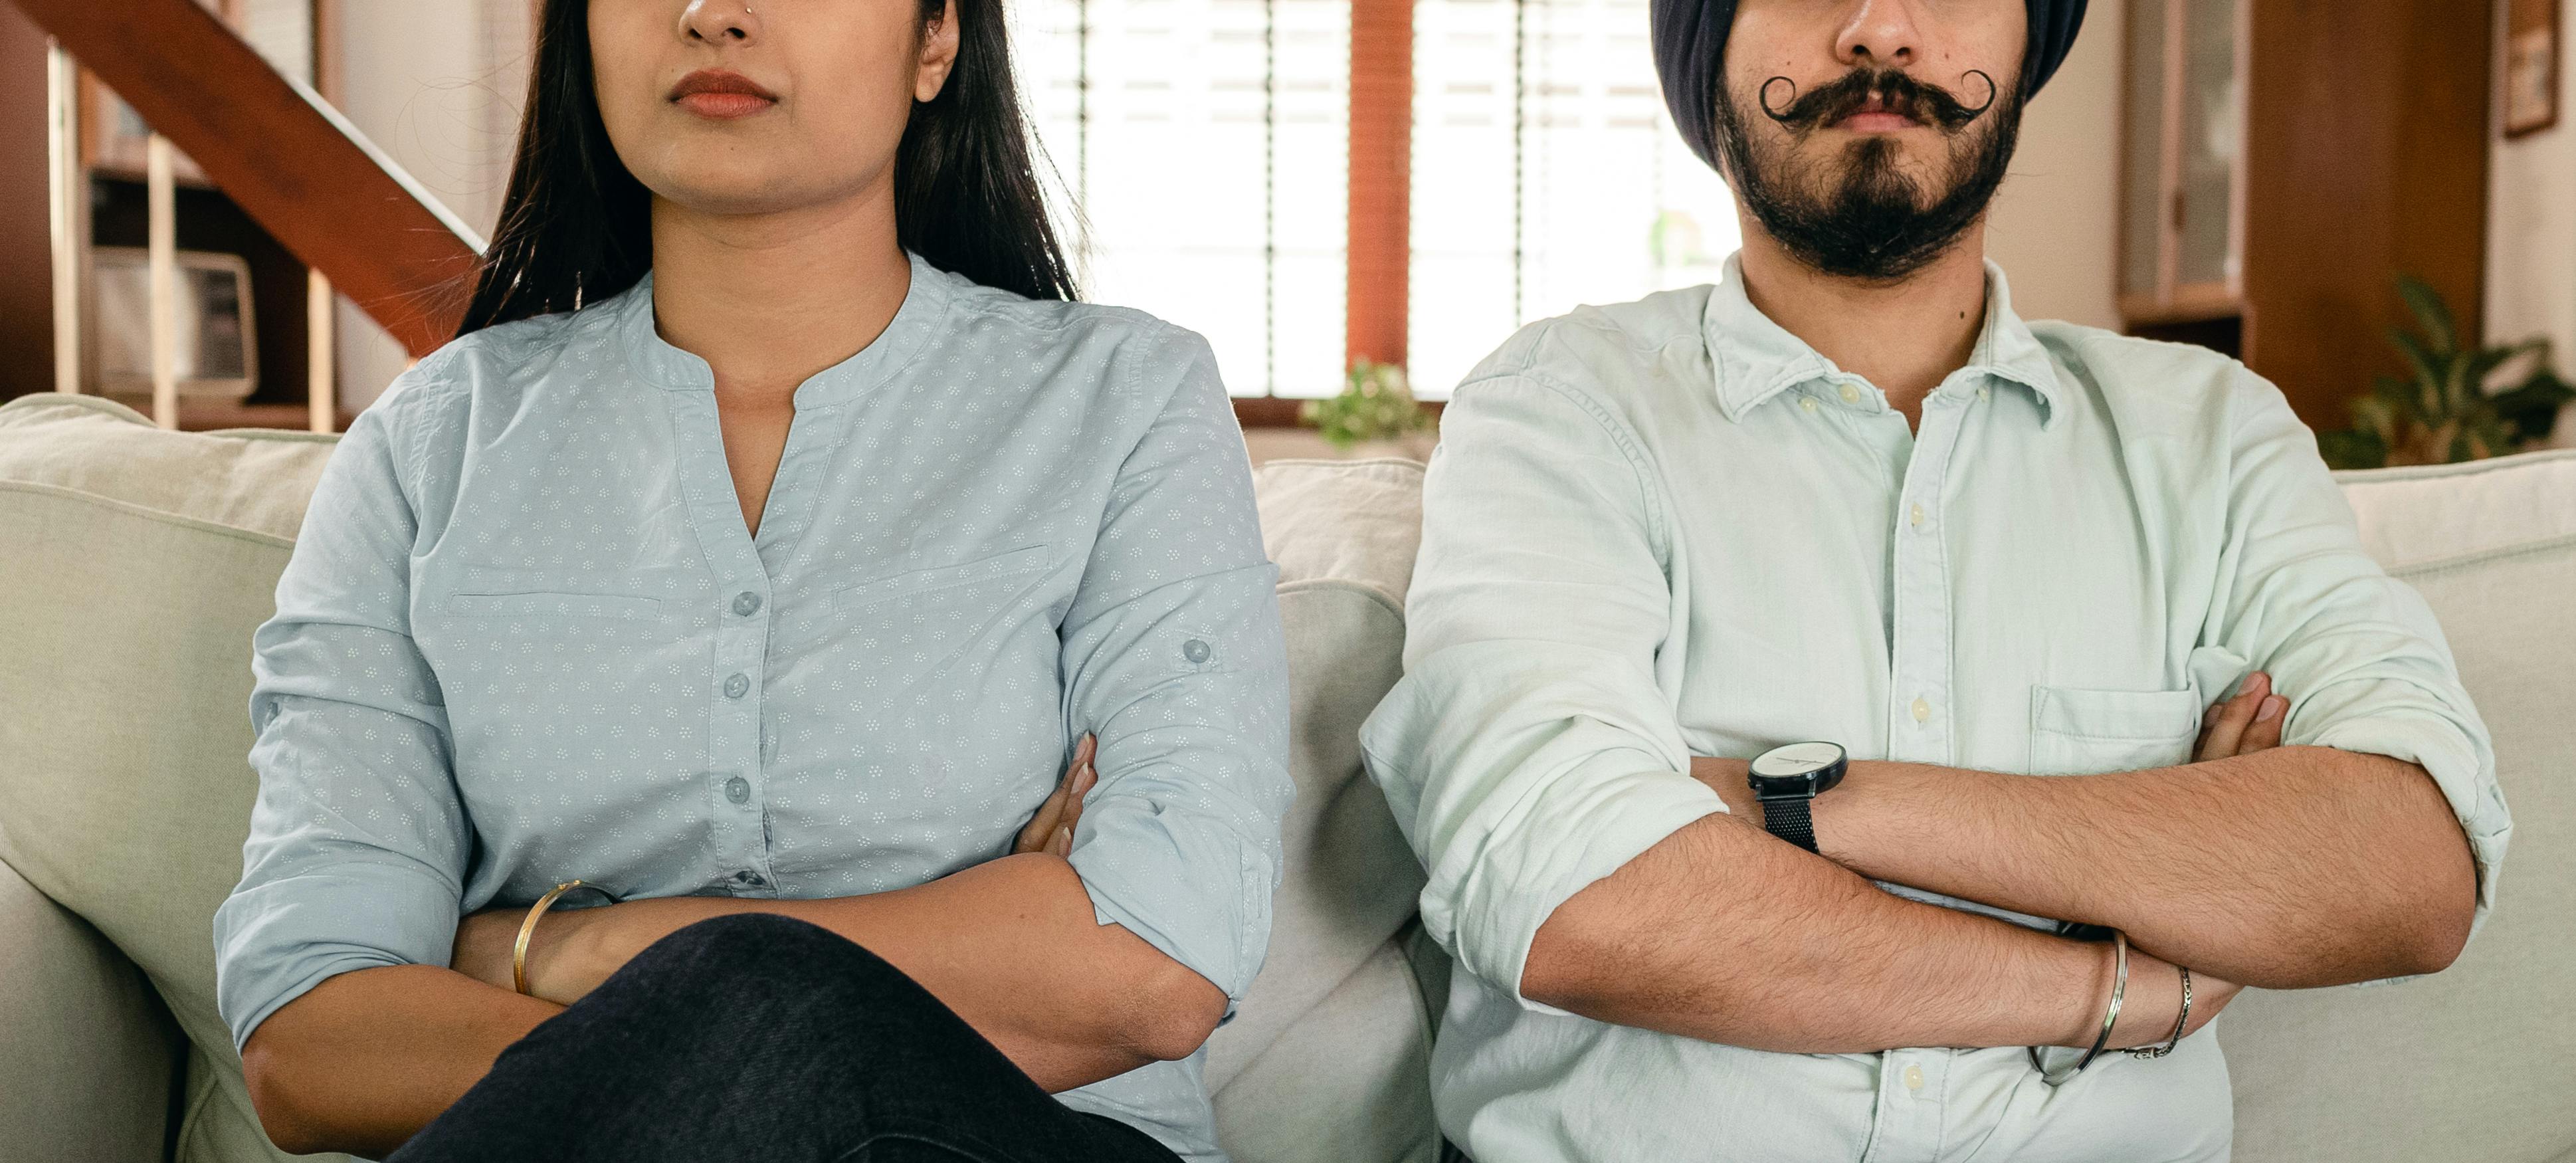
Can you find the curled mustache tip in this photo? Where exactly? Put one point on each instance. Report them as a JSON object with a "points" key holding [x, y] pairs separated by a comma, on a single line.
{"points": [[1992, 91]]}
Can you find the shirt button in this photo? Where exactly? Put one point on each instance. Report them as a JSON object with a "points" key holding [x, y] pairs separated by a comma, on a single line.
{"points": [[1922, 711], [1913, 1078], [1851, 395], [1196, 651], [1985, 393], [749, 877], [1807, 402], [738, 790], [1917, 516], [737, 685], [746, 603]]}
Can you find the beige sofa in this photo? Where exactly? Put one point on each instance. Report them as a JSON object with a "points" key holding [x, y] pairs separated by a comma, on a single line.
{"points": [[135, 562]]}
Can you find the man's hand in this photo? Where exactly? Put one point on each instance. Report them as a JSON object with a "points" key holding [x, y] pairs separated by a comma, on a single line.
{"points": [[2153, 1000], [1050, 829], [2243, 725]]}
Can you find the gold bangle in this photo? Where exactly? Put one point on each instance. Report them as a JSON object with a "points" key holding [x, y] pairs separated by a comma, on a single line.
{"points": [[528, 928]]}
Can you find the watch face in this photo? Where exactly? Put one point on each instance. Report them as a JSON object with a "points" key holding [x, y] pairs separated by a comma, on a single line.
{"points": [[1796, 760]]}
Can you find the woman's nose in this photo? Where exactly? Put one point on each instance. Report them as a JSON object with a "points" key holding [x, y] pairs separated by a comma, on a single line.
{"points": [[719, 21]]}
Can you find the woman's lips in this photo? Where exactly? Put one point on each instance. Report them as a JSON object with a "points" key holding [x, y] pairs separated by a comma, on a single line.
{"points": [[724, 106], [721, 94]]}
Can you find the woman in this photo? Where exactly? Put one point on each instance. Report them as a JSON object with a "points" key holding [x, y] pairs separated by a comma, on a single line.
{"points": [[767, 542]]}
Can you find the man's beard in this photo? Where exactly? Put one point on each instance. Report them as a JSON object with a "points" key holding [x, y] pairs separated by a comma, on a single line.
{"points": [[1874, 223]]}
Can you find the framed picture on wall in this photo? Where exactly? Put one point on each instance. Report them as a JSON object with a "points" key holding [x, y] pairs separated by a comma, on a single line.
{"points": [[2531, 66]]}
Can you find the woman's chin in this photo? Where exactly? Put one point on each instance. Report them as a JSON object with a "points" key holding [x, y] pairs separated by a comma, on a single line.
{"points": [[731, 188]]}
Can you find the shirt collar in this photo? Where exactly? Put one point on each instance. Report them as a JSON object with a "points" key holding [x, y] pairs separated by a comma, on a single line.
{"points": [[1756, 359], [655, 360]]}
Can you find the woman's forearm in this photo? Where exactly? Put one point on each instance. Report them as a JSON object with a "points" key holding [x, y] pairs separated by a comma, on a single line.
{"points": [[363, 1060], [1012, 946]]}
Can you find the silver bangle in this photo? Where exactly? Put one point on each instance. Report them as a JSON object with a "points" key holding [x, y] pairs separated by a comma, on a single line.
{"points": [[2110, 1016], [2180, 1020]]}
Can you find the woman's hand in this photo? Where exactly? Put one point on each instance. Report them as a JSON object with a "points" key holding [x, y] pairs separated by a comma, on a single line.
{"points": [[2243, 725], [483, 944], [564, 953], [1050, 830]]}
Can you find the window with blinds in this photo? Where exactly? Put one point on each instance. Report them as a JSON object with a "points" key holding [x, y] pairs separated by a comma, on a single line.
{"points": [[1546, 175], [1205, 144]]}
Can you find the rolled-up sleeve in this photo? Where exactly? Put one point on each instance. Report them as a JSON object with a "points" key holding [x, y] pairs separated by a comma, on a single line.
{"points": [[1530, 748], [2358, 653], [357, 842], [1173, 656]]}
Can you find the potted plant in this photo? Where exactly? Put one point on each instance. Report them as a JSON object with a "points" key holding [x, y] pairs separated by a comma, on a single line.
{"points": [[2442, 411], [1376, 415]]}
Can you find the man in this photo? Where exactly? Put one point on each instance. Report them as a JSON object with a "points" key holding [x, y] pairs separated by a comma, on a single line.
{"points": [[1847, 497]]}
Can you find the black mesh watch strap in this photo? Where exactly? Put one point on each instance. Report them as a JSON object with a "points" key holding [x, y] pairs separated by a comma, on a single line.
{"points": [[1788, 820]]}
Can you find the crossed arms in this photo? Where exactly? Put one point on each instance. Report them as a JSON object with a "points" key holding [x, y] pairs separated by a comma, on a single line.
{"points": [[2285, 869], [1534, 757], [1082, 954]]}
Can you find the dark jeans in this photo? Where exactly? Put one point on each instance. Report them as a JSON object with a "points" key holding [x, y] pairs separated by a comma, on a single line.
{"points": [[767, 1040]]}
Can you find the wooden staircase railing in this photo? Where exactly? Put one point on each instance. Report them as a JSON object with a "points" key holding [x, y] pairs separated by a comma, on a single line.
{"points": [[283, 155]]}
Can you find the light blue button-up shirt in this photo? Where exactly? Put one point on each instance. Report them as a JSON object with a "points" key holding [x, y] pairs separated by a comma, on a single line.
{"points": [[526, 637], [1670, 528]]}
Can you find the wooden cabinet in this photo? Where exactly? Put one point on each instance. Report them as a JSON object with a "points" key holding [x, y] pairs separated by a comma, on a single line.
{"points": [[2182, 212], [2284, 161]]}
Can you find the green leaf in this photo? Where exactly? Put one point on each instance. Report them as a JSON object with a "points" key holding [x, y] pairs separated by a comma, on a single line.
{"points": [[2459, 386], [2426, 384], [2483, 364], [2352, 449], [2430, 312], [2376, 418], [2531, 410]]}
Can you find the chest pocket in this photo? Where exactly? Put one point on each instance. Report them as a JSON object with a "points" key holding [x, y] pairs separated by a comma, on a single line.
{"points": [[2090, 732]]}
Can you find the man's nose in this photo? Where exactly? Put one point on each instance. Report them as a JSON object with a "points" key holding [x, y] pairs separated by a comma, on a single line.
{"points": [[1883, 33]]}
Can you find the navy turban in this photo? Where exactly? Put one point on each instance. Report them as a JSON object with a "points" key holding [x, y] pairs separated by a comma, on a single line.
{"points": [[1690, 55]]}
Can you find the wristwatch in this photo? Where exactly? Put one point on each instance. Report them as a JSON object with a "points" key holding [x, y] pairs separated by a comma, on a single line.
{"points": [[1785, 778]]}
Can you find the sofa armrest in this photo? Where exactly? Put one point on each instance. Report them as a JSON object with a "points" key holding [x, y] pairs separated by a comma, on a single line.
{"points": [[85, 1053]]}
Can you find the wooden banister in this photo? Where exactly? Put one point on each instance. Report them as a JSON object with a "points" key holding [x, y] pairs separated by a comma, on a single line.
{"points": [[281, 153]]}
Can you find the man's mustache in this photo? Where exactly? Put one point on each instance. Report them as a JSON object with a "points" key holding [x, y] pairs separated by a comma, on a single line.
{"points": [[1897, 92]]}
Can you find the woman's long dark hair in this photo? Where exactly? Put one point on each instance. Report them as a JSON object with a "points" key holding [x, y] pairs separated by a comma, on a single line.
{"points": [[575, 226]]}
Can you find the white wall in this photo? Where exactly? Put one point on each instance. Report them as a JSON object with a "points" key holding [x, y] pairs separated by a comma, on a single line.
{"points": [[2054, 227], [2531, 231], [438, 88]]}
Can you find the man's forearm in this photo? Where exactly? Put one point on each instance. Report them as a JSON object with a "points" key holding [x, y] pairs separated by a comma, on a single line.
{"points": [[1012, 946], [1724, 934], [2288, 868]]}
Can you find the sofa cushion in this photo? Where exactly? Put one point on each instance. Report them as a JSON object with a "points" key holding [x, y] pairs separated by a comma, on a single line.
{"points": [[141, 561], [1285, 1091], [246, 478], [69, 988], [2413, 516], [2435, 1068], [1357, 520], [125, 789]]}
